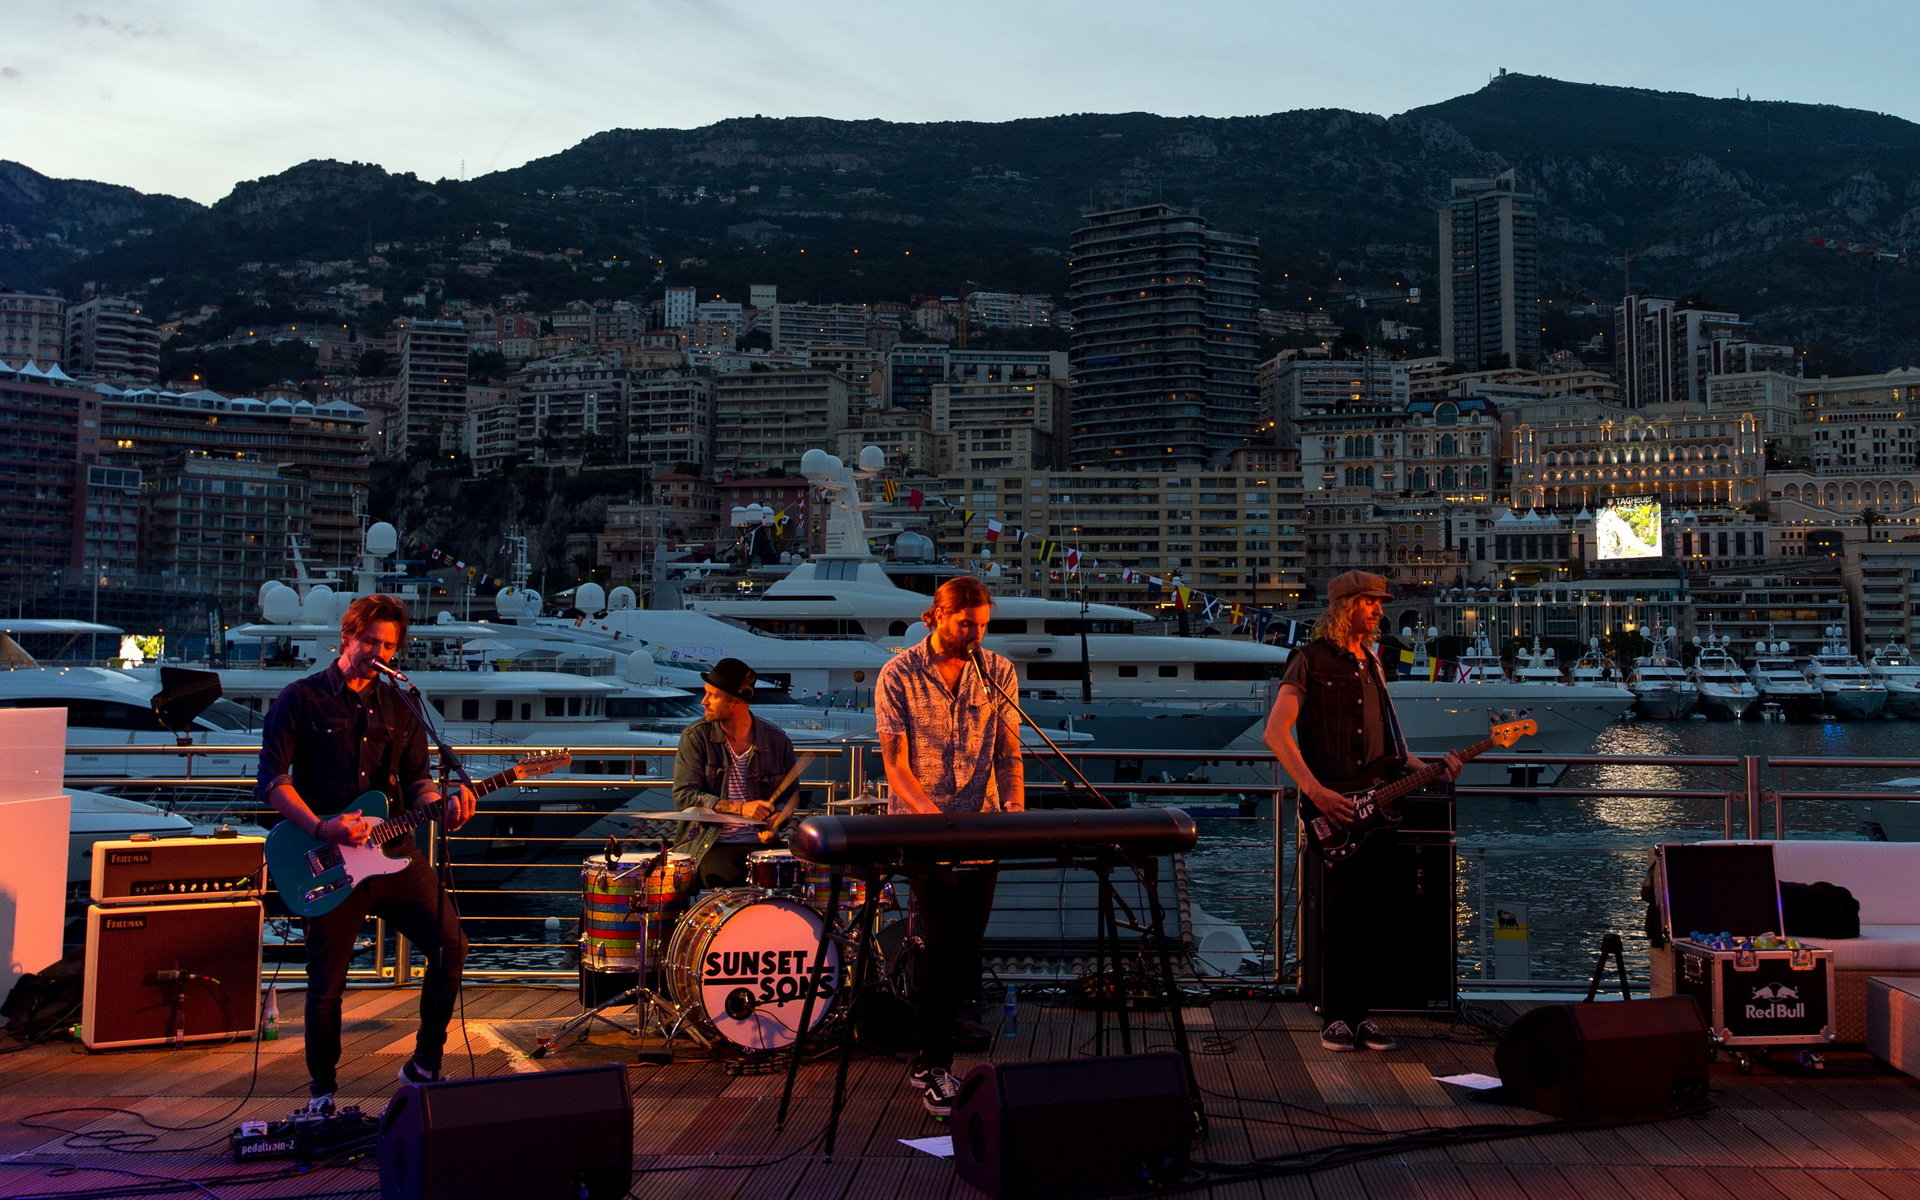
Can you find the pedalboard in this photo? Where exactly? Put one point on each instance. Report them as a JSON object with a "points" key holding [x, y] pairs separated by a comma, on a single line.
{"points": [[305, 1139]]}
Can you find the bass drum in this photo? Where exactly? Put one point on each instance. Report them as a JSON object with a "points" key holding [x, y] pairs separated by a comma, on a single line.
{"points": [[739, 961]]}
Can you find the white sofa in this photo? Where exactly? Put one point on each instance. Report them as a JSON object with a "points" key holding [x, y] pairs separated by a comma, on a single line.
{"points": [[1885, 878]]}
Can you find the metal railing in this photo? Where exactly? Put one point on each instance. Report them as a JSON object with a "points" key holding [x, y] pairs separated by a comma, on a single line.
{"points": [[522, 914]]}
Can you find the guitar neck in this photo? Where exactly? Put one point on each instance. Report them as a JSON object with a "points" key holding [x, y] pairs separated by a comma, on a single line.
{"points": [[1388, 793], [407, 822]]}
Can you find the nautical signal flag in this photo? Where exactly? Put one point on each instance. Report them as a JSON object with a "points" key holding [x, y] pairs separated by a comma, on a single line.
{"points": [[1073, 561], [993, 530], [889, 489]]}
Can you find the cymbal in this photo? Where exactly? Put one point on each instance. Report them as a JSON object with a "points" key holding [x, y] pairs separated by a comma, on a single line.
{"points": [[703, 815]]}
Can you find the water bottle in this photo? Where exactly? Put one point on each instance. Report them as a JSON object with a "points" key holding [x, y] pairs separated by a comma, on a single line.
{"points": [[1010, 1013], [270, 1016]]}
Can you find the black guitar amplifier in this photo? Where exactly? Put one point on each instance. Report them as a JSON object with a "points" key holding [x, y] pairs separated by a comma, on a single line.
{"points": [[179, 870]]}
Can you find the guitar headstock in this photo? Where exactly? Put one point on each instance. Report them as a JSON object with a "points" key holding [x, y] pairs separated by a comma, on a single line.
{"points": [[1509, 732], [541, 763]]}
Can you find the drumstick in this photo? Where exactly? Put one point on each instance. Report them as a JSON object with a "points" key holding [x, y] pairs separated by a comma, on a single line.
{"points": [[793, 801]]}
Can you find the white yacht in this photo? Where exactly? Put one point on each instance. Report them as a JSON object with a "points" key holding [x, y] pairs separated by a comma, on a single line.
{"points": [[1894, 667], [1142, 691], [1660, 686], [1784, 690], [1847, 689], [1536, 665], [1725, 691], [1594, 667]]}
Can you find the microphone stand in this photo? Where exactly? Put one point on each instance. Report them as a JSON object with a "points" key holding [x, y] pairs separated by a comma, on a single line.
{"points": [[1148, 879], [450, 765]]}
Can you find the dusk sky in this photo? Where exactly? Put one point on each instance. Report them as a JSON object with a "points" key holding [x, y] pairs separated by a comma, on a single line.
{"points": [[192, 98]]}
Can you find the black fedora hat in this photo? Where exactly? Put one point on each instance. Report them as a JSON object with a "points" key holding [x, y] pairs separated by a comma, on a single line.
{"points": [[731, 676]]}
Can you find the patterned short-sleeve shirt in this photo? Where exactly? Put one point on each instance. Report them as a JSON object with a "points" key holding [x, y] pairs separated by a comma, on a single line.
{"points": [[953, 735]]}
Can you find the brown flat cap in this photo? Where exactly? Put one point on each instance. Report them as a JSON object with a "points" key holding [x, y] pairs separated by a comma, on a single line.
{"points": [[1357, 583]]}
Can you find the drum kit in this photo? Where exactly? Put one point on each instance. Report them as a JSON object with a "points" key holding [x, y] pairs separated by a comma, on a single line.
{"points": [[732, 967]]}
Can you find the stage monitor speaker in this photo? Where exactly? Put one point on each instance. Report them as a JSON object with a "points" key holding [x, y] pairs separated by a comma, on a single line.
{"points": [[166, 973], [175, 870], [557, 1134], [1600, 1061], [1419, 938], [1082, 1126]]}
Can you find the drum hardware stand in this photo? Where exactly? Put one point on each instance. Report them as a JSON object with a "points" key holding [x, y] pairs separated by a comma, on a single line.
{"points": [[654, 1015]]}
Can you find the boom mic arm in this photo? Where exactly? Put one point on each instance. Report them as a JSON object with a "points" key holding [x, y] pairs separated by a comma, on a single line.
{"points": [[1013, 702]]}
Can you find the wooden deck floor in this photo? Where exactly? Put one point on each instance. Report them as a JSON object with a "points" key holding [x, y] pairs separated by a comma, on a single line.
{"points": [[111, 1123]]}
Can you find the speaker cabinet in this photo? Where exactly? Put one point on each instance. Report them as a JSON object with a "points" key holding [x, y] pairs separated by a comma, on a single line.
{"points": [[548, 1134], [1596, 1062], [1083, 1126], [171, 973], [1418, 938]]}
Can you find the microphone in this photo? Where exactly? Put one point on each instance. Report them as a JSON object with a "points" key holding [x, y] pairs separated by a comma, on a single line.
{"points": [[740, 1004], [181, 977], [381, 668]]}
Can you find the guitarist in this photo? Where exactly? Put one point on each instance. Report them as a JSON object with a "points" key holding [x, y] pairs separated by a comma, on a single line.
{"points": [[729, 762], [329, 738], [1334, 721]]}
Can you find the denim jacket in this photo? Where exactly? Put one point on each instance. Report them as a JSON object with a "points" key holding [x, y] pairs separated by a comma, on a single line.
{"points": [[700, 774]]}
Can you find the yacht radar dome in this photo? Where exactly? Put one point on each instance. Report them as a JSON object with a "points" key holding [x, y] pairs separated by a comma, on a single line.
{"points": [[590, 598], [622, 599], [872, 459], [382, 539]]}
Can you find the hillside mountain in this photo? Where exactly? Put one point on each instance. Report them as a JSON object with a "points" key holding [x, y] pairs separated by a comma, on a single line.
{"points": [[1671, 192]]}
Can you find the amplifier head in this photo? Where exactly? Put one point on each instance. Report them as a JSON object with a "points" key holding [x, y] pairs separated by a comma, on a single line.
{"points": [[178, 870]]}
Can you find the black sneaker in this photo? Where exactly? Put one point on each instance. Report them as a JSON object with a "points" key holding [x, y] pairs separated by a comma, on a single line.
{"points": [[1371, 1037], [939, 1088], [413, 1072], [1339, 1037]]}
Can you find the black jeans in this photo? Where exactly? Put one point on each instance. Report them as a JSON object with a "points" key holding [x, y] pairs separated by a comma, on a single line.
{"points": [[724, 865], [952, 906], [412, 902], [1361, 899]]}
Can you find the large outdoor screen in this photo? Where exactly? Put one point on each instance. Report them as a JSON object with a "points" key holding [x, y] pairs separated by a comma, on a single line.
{"points": [[1628, 527]]}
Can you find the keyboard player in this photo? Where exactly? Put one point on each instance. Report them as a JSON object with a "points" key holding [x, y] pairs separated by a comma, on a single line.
{"points": [[950, 740]]}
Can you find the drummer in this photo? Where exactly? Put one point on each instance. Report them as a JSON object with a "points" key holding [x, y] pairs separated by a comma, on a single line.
{"points": [[728, 762]]}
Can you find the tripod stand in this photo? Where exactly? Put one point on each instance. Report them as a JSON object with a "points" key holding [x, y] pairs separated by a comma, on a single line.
{"points": [[654, 1015]]}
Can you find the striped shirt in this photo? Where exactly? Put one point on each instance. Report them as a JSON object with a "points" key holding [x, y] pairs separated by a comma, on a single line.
{"points": [[955, 736]]}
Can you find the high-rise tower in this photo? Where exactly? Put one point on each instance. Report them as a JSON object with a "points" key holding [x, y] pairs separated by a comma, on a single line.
{"points": [[1489, 274], [1165, 352]]}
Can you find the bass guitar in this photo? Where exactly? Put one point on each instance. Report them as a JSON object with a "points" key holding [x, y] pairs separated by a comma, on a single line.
{"points": [[1376, 805], [315, 877]]}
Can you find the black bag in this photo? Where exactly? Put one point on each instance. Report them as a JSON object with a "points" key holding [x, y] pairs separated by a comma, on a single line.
{"points": [[44, 1005], [1820, 910]]}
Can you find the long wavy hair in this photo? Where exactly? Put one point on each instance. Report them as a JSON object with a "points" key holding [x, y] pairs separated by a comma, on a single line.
{"points": [[1342, 623]]}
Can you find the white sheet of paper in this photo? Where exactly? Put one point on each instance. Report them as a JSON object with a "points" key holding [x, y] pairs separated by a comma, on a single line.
{"points": [[1473, 1079], [939, 1147]]}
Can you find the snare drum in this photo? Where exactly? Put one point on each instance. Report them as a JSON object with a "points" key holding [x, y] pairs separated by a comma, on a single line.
{"points": [[741, 961], [629, 907], [776, 871]]}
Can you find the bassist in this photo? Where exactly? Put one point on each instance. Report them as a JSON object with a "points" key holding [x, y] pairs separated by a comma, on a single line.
{"points": [[328, 738], [1333, 720]]}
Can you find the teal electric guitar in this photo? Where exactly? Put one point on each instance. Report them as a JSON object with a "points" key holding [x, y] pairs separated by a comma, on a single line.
{"points": [[314, 877]]}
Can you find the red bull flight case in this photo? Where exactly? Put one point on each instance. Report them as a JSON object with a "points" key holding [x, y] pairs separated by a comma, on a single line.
{"points": [[1758, 998]]}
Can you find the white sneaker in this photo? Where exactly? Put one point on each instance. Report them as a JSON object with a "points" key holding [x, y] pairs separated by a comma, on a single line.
{"points": [[413, 1072], [319, 1106]]}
